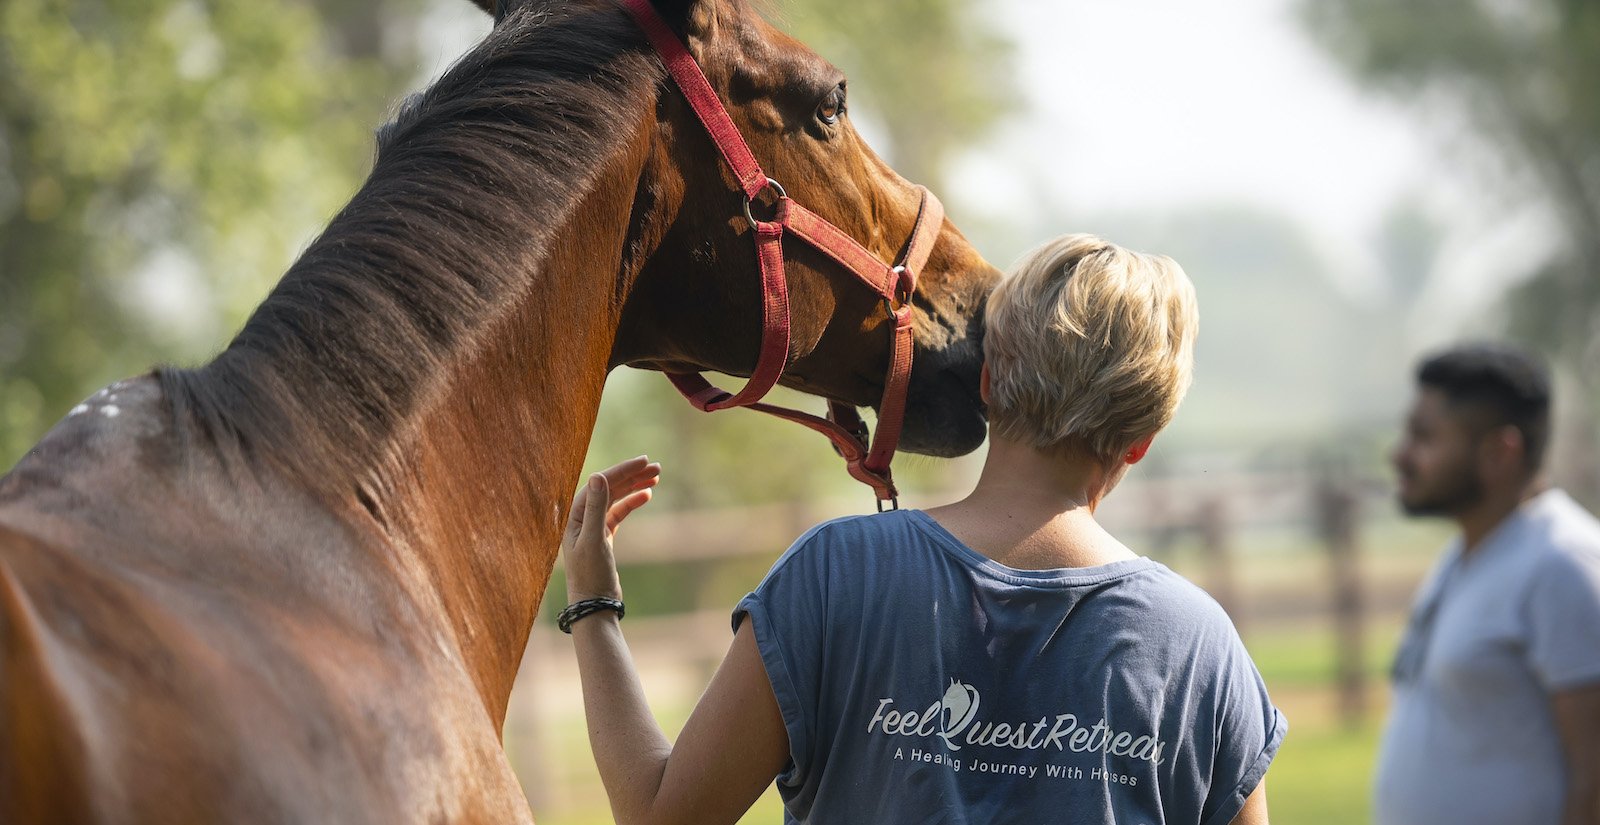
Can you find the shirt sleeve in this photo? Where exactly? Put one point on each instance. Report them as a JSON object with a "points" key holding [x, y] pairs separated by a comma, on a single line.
{"points": [[788, 612], [1249, 731], [1563, 611]]}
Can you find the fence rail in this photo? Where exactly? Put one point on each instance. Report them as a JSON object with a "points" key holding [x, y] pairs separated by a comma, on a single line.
{"points": [[1212, 520]]}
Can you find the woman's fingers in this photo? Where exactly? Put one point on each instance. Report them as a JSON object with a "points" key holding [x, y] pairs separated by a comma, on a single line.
{"points": [[625, 506], [631, 467], [598, 500], [624, 470], [622, 491], [631, 476], [627, 477], [600, 505], [591, 570], [575, 515], [622, 478], [616, 491], [608, 497]]}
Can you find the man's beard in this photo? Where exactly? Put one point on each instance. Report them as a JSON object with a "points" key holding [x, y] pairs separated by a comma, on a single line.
{"points": [[1459, 491]]}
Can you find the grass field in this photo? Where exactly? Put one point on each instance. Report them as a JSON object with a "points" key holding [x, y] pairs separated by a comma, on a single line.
{"points": [[1323, 774]]}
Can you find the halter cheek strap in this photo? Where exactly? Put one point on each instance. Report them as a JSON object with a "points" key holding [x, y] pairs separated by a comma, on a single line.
{"points": [[895, 284]]}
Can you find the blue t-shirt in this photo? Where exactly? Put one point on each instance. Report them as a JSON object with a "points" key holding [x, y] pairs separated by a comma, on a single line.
{"points": [[921, 682]]}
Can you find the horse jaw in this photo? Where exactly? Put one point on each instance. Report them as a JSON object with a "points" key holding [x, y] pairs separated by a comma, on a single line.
{"points": [[944, 413]]}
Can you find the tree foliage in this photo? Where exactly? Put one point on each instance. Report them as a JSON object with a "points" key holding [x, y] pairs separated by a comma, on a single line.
{"points": [[160, 160], [1526, 75]]}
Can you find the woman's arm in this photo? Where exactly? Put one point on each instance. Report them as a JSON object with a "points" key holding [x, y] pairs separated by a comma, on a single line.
{"points": [[733, 744], [1254, 811]]}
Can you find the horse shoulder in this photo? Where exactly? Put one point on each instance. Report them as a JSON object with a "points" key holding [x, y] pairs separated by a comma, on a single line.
{"points": [[43, 765], [172, 641]]}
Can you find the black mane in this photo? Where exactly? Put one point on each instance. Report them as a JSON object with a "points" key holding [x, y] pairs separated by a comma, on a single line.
{"points": [[469, 181]]}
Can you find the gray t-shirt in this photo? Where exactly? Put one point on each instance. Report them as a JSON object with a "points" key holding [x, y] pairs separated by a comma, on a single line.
{"points": [[921, 682], [1471, 737]]}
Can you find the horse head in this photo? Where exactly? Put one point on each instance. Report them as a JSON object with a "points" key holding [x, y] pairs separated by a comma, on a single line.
{"points": [[696, 303]]}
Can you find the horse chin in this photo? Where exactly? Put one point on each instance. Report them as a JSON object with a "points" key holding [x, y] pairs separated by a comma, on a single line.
{"points": [[942, 429], [944, 416]]}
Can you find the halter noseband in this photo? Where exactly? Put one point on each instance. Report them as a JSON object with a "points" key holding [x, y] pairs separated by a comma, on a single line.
{"points": [[843, 426]]}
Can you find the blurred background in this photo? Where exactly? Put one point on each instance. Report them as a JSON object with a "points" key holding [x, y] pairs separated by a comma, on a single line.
{"points": [[1349, 182]]}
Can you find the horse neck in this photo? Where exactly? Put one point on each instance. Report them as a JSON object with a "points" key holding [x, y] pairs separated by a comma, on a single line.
{"points": [[480, 492], [431, 367]]}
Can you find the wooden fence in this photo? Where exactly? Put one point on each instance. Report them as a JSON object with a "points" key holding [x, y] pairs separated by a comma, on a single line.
{"points": [[1199, 517]]}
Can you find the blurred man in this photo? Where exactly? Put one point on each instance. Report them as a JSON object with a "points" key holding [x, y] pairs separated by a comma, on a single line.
{"points": [[1496, 710]]}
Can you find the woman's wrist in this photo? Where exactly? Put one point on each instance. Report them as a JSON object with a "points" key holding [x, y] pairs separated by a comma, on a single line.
{"points": [[575, 595], [590, 584], [585, 608]]}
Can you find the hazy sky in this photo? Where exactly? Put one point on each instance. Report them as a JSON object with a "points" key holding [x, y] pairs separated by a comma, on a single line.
{"points": [[1162, 102], [1154, 106], [1157, 105]]}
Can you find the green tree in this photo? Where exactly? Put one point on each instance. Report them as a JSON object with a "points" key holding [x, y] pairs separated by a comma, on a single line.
{"points": [[1525, 75], [150, 148]]}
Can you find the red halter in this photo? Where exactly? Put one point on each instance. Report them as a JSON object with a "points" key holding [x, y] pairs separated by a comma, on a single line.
{"points": [[869, 465]]}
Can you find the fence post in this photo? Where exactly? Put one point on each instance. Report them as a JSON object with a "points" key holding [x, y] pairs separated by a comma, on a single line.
{"points": [[1216, 545], [1338, 506]]}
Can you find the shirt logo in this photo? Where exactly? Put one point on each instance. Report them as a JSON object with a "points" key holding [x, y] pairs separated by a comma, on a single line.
{"points": [[954, 720], [960, 705]]}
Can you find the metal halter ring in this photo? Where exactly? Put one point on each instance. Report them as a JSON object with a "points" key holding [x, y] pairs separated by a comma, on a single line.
{"points": [[774, 186], [903, 297]]}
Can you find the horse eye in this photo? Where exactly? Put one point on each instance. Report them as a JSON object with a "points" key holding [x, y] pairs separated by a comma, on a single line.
{"points": [[832, 106]]}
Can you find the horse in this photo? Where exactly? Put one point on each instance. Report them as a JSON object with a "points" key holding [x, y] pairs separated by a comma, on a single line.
{"points": [[295, 584]]}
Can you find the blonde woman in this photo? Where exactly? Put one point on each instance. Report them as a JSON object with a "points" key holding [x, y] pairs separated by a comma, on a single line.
{"points": [[1001, 659]]}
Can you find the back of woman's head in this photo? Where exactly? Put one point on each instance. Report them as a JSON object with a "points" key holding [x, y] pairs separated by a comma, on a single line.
{"points": [[1089, 346]]}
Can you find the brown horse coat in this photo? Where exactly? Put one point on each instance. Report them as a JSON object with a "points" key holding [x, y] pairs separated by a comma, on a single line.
{"points": [[294, 585]]}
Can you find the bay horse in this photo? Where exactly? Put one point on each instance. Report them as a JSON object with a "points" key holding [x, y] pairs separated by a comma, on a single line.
{"points": [[295, 584]]}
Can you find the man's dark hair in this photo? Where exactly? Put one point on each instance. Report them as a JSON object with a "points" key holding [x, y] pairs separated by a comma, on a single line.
{"points": [[1509, 386]]}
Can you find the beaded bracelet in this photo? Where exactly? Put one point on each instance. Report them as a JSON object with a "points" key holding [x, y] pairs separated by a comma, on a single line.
{"points": [[586, 607]]}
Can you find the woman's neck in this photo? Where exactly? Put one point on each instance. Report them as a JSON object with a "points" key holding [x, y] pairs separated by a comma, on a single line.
{"points": [[1033, 509]]}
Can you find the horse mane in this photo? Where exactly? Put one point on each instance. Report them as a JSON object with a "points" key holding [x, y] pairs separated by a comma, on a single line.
{"points": [[469, 183]]}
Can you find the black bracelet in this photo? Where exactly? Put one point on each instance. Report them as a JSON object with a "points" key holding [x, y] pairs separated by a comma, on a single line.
{"points": [[578, 610]]}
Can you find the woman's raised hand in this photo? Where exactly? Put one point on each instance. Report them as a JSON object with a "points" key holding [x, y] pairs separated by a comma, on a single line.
{"points": [[597, 510]]}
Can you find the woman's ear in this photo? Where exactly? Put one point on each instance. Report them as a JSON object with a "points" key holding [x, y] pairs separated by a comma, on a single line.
{"points": [[1137, 452], [983, 384]]}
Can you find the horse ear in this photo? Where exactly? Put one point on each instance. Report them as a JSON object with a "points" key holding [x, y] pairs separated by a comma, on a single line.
{"points": [[498, 9], [697, 19]]}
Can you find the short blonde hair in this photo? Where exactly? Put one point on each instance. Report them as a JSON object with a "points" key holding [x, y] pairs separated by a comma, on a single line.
{"points": [[1089, 345]]}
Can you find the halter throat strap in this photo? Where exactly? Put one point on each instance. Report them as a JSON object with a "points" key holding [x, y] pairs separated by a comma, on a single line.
{"points": [[867, 461]]}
